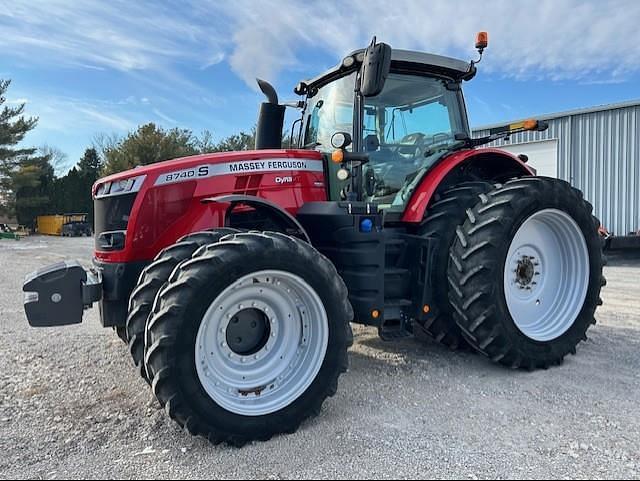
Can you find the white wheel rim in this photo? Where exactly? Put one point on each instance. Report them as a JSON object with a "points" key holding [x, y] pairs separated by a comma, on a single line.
{"points": [[287, 360], [546, 275]]}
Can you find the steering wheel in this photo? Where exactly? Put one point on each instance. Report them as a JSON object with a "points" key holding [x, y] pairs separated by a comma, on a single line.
{"points": [[412, 143]]}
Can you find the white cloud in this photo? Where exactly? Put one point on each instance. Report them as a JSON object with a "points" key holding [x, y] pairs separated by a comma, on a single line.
{"points": [[106, 119], [165, 117], [119, 34], [58, 114], [555, 39], [590, 41]]}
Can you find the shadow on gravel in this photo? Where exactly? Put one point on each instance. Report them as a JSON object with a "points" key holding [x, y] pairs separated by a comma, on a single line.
{"points": [[412, 351], [607, 345]]}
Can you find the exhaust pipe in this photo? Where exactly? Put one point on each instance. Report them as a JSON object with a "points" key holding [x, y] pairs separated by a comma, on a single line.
{"points": [[270, 119]]}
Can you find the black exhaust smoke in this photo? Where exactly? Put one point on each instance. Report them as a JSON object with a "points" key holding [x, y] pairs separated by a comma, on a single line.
{"points": [[270, 119]]}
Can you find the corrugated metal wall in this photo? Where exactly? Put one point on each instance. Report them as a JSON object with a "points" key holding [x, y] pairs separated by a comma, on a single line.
{"points": [[599, 152]]}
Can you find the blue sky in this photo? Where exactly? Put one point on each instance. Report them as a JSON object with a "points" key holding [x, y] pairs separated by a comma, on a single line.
{"points": [[92, 67]]}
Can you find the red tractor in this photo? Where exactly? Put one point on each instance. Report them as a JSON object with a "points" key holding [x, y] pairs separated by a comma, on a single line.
{"points": [[234, 277]]}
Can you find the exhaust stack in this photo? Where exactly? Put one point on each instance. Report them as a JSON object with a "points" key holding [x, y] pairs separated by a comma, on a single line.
{"points": [[270, 119]]}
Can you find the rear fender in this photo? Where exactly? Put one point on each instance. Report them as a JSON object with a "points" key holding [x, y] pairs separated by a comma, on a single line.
{"points": [[491, 165]]}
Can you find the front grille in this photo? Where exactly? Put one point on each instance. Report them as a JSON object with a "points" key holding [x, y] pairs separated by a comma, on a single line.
{"points": [[112, 215]]}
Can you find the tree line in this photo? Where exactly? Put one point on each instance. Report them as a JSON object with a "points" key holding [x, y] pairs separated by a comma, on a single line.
{"points": [[30, 187]]}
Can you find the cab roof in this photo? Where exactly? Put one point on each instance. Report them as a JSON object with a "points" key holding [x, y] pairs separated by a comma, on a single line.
{"points": [[408, 61]]}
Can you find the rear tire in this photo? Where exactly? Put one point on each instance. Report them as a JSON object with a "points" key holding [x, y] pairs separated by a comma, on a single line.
{"points": [[440, 223], [525, 273], [213, 399], [151, 280]]}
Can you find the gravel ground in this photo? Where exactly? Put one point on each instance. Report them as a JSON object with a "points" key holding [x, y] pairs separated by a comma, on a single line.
{"points": [[72, 406]]}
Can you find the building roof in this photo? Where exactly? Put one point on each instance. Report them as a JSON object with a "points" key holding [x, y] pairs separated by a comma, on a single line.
{"points": [[568, 113]]}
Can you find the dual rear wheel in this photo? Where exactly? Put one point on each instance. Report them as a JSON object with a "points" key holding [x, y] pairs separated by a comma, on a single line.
{"points": [[523, 270]]}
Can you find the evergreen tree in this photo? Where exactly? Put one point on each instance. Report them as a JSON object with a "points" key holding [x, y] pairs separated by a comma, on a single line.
{"points": [[89, 169], [90, 164], [32, 183], [25, 179]]}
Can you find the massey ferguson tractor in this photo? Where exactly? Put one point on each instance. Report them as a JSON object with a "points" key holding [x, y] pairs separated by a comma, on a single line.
{"points": [[234, 277]]}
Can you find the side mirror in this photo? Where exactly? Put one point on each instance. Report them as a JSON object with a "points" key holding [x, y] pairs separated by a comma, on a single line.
{"points": [[375, 68]]}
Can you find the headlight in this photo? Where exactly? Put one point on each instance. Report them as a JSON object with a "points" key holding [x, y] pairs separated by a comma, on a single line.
{"points": [[120, 187]]}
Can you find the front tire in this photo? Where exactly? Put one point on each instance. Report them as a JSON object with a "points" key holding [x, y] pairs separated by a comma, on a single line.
{"points": [[525, 272], [249, 338], [151, 280]]}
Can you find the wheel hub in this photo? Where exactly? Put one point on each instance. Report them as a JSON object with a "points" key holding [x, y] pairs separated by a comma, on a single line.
{"points": [[248, 332], [526, 272]]}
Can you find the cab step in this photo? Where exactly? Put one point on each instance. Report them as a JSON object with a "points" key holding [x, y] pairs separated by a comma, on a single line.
{"points": [[394, 329], [394, 325]]}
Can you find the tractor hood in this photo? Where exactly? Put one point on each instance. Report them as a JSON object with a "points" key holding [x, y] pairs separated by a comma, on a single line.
{"points": [[139, 211], [208, 165]]}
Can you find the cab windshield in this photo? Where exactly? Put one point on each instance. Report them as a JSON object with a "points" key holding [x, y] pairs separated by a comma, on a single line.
{"points": [[329, 110], [406, 129]]}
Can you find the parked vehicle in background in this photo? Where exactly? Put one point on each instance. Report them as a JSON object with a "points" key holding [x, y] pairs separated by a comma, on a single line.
{"points": [[627, 242], [77, 226], [66, 225], [7, 232]]}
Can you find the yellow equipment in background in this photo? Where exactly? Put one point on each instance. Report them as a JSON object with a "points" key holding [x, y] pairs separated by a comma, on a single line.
{"points": [[53, 224], [50, 224]]}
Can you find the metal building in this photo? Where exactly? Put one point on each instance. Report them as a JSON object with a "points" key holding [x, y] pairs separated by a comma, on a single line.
{"points": [[597, 150]]}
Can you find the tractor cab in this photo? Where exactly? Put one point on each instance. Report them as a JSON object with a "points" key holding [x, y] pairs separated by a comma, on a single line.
{"points": [[420, 107], [416, 117]]}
